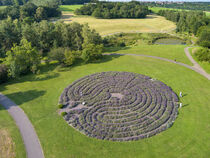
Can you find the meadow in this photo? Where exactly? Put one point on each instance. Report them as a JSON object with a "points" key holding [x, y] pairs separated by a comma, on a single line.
{"points": [[152, 24], [11, 143], [38, 95], [69, 8]]}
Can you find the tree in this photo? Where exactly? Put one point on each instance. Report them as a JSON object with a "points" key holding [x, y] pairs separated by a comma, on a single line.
{"points": [[204, 37], [203, 54], [70, 57], [22, 59], [40, 14], [57, 54], [91, 52], [3, 73]]}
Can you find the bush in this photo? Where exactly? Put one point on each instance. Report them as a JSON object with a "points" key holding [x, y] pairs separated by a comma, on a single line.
{"points": [[203, 54], [70, 57], [57, 54], [3, 73], [60, 106], [63, 113]]}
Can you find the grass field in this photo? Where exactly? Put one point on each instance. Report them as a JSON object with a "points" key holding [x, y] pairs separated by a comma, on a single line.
{"points": [[152, 24], [69, 8], [38, 96], [11, 145], [204, 65], [166, 51]]}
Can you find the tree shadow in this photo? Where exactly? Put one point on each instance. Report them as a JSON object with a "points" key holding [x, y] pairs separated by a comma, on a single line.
{"points": [[185, 105], [26, 96], [114, 49], [107, 57], [184, 95]]}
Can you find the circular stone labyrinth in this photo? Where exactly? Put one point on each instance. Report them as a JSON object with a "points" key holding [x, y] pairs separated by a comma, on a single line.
{"points": [[119, 106]]}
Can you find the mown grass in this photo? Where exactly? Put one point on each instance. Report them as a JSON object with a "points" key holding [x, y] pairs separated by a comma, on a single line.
{"points": [[39, 95], [152, 24], [203, 64], [69, 8], [11, 144], [166, 51]]}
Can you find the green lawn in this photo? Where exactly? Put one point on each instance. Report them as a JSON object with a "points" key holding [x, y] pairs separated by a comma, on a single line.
{"points": [[69, 8], [204, 65], [38, 96], [14, 143], [166, 51]]}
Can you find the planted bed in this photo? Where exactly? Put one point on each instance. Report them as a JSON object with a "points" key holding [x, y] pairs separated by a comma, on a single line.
{"points": [[119, 106]]}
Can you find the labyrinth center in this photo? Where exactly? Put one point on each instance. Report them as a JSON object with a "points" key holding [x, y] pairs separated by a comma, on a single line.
{"points": [[119, 106]]}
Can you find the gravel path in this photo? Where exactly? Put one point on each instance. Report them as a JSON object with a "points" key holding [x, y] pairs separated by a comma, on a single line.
{"points": [[203, 73], [195, 64], [30, 138]]}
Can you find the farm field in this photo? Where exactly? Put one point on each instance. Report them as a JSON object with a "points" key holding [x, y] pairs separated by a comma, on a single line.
{"points": [[11, 145], [204, 65], [39, 95], [152, 24]]}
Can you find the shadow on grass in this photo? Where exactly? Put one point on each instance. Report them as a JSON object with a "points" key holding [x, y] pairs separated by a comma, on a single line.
{"points": [[26, 96], [114, 49]]}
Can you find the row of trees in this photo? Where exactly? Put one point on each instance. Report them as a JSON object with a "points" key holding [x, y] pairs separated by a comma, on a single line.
{"points": [[114, 10], [42, 2], [187, 21], [203, 6], [29, 12], [24, 45]]}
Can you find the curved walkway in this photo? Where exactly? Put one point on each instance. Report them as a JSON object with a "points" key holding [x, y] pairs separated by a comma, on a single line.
{"points": [[172, 61], [30, 138], [195, 64]]}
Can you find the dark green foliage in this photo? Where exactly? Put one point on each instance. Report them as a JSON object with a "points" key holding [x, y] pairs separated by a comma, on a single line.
{"points": [[204, 6], [30, 10], [114, 10], [57, 54], [22, 59], [63, 113], [203, 54], [187, 21], [204, 37], [91, 52], [60, 106], [3, 73]]}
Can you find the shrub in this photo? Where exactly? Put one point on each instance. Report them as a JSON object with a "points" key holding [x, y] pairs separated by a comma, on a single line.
{"points": [[57, 54], [69, 57], [3, 73], [63, 113], [60, 106], [203, 54]]}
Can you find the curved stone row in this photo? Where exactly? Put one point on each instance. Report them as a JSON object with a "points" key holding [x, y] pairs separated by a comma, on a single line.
{"points": [[119, 106]]}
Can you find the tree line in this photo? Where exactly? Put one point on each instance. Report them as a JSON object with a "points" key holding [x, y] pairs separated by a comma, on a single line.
{"points": [[193, 22], [23, 45], [30, 12], [42, 2], [203, 6], [110, 10]]}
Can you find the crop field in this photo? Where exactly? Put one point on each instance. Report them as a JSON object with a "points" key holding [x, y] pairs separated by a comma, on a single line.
{"points": [[152, 24], [11, 145], [69, 8], [38, 95]]}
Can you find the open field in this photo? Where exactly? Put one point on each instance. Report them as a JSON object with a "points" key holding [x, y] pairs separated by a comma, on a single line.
{"points": [[152, 24], [11, 145], [39, 95], [204, 65], [69, 8], [166, 51]]}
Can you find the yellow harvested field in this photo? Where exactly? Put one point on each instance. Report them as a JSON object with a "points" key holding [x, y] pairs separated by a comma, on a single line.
{"points": [[7, 146], [151, 24]]}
